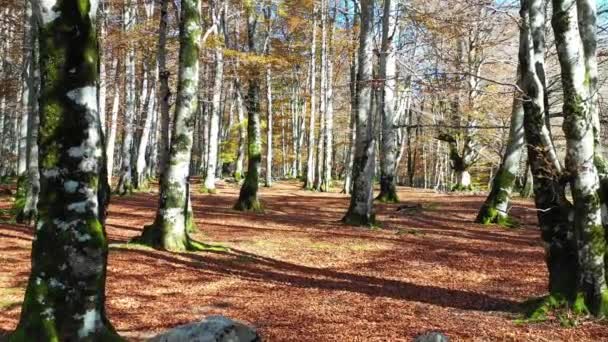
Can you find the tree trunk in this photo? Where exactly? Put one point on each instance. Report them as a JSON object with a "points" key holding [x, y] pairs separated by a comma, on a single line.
{"points": [[238, 173], [328, 144], [65, 295], [28, 182], [111, 142], [269, 123], [310, 163], [125, 182], [580, 153], [361, 211], [216, 112], [348, 179], [496, 207], [319, 162], [174, 217], [140, 166], [388, 75], [164, 92], [553, 208], [248, 197]]}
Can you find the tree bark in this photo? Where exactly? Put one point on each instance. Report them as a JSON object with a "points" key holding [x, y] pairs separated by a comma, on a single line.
{"points": [[269, 123], [214, 123], [549, 195], [578, 127], [125, 182], [496, 207], [360, 211], [164, 92], [388, 75], [65, 295], [174, 216], [111, 141], [141, 181], [310, 163], [28, 184], [328, 144], [248, 197], [240, 109]]}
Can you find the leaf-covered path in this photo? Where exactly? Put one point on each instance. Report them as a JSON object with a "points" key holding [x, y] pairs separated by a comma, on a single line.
{"points": [[298, 274]]}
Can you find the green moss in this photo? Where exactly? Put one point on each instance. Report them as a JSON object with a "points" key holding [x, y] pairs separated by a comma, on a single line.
{"points": [[388, 197], [190, 223], [205, 190], [95, 229], [249, 205], [196, 246], [462, 188], [597, 240], [354, 219], [18, 208], [578, 306]]}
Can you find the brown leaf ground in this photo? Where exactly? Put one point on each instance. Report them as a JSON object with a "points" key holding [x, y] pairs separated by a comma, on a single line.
{"points": [[298, 274]]}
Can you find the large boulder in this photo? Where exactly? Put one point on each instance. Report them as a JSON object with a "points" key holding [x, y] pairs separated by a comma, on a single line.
{"points": [[211, 329]]}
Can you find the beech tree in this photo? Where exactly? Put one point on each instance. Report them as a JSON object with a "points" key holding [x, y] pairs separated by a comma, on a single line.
{"points": [[174, 216], [496, 207], [125, 181], [65, 296], [570, 24], [388, 75], [248, 196], [361, 211]]}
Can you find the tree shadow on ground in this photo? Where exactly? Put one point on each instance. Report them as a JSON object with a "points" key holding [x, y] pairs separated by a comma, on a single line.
{"points": [[252, 267]]}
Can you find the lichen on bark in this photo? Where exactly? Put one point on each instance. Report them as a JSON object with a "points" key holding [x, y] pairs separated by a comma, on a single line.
{"points": [[65, 295], [174, 217]]}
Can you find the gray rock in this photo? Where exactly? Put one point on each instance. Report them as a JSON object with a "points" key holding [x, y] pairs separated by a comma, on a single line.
{"points": [[432, 336], [211, 329]]}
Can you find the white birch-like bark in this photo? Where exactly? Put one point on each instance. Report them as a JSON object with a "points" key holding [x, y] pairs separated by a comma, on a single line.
{"points": [[216, 106], [388, 75], [269, 124], [140, 166], [111, 136], [578, 127], [361, 210], [310, 163], [125, 182], [240, 110]]}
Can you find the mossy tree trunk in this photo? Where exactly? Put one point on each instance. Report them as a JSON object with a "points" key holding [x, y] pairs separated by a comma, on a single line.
{"points": [[248, 196], [174, 216], [388, 75], [580, 153], [587, 15], [553, 209], [496, 207], [361, 211], [65, 295], [164, 91]]}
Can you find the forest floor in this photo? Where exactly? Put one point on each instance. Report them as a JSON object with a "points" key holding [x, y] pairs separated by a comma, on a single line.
{"points": [[298, 274]]}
